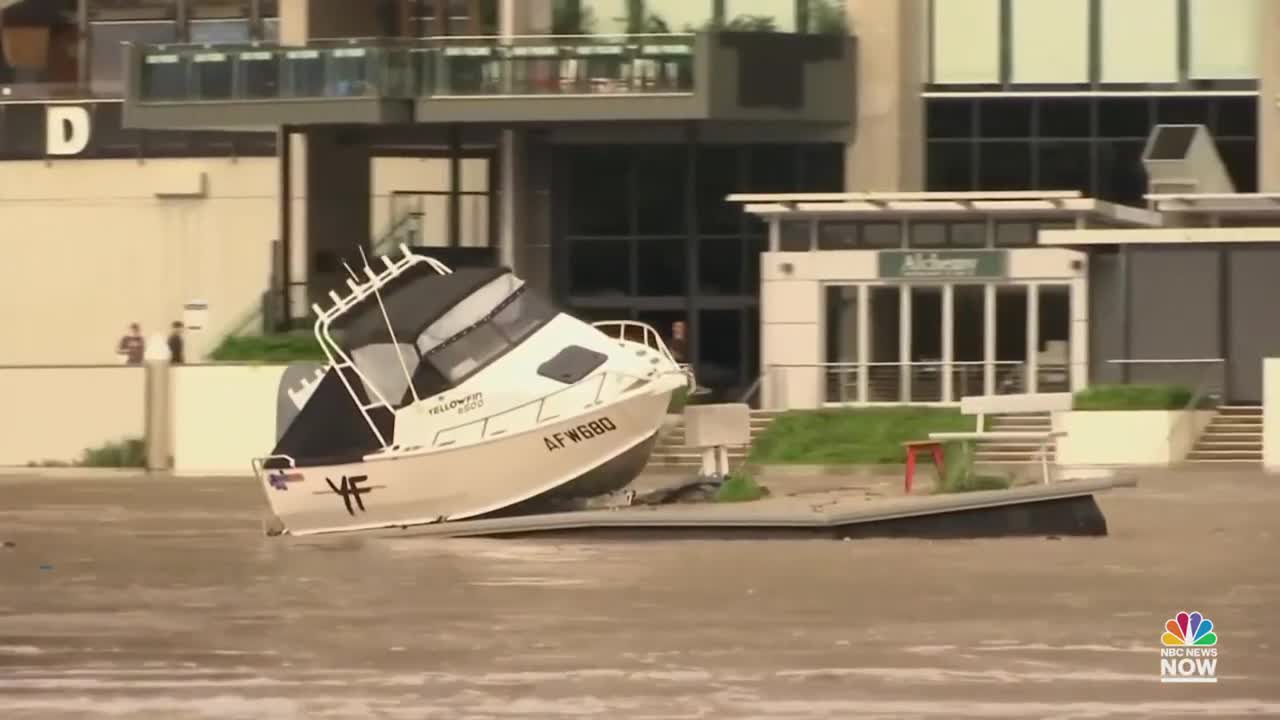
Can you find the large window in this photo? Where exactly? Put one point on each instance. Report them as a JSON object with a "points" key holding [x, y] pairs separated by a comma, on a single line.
{"points": [[646, 233], [1095, 43], [1093, 145]]}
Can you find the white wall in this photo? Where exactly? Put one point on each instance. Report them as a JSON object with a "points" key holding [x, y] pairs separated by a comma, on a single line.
{"points": [[223, 416], [58, 413], [91, 245], [1271, 414]]}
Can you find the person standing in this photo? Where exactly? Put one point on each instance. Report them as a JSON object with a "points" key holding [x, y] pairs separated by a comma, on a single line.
{"points": [[176, 346], [132, 345]]}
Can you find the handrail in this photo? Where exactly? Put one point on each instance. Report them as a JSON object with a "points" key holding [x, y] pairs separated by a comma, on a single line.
{"points": [[647, 331], [541, 402]]}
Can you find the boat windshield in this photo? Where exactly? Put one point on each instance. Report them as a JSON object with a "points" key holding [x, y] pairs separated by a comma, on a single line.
{"points": [[468, 336]]}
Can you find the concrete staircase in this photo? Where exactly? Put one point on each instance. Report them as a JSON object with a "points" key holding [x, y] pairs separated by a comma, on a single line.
{"points": [[1233, 436], [670, 451], [1014, 451]]}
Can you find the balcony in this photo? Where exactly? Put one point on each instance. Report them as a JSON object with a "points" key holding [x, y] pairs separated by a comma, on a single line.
{"points": [[591, 78]]}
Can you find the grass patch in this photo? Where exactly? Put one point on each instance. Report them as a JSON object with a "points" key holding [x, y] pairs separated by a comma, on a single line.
{"points": [[740, 487], [124, 454], [960, 474], [853, 436], [275, 348], [1132, 397]]}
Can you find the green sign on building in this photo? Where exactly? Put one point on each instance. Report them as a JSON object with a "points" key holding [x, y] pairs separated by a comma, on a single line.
{"points": [[942, 264]]}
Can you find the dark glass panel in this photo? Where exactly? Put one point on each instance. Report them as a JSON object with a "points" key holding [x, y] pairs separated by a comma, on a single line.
{"points": [[599, 186], [1120, 117], [599, 267], [1004, 166], [948, 118], [1064, 166], [661, 172], [1121, 177], [950, 165], [660, 266], [1065, 117], [1004, 118], [720, 266], [717, 178]]}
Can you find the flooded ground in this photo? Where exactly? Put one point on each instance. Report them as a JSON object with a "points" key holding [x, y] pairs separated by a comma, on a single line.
{"points": [[161, 598]]}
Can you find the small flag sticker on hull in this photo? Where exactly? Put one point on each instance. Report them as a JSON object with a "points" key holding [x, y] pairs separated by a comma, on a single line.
{"points": [[281, 480]]}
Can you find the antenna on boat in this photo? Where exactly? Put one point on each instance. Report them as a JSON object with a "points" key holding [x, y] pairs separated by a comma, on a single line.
{"points": [[373, 281]]}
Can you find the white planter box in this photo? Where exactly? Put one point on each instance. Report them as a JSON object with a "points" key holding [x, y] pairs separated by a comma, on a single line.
{"points": [[1128, 437], [1271, 414]]}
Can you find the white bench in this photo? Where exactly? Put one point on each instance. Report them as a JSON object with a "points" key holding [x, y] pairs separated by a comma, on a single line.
{"points": [[983, 405]]}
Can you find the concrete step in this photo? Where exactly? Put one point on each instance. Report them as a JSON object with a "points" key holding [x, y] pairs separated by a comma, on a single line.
{"points": [[1234, 427], [1240, 409], [1227, 435], [1225, 455], [1225, 461], [1216, 444]]}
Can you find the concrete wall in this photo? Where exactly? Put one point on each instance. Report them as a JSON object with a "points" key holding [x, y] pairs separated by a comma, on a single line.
{"points": [[91, 245], [886, 150], [1106, 329], [1271, 414], [47, 417], [223, 416], [1269, 99]]}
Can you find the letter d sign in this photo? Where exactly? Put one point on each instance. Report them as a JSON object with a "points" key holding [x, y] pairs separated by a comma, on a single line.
{"points": [[66, 129]]}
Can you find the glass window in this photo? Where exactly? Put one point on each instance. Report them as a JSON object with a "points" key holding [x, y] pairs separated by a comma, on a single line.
{"points": [[1004, 166], [1139, 41], [950, 165], [947, 118], [470, 311], [1183, 111], [661, 172], [1236, 117], [589, 17], [717, 178], [468, 353], [520, 317], [882, 235], [1241, 159], [220, 31], [1121, 177], [1015, 234], [720, 266], [599, 189], [676, 16], [1064, 166], [969, 234], [773, 168], [823, 167], [382, 369], [761, 15], [1224, 39], [1050, 41], [106, 74], [929, 235], [795, 235], [1124, 117], [966, 41], [1004, 118], [132, 9], [837, 235], [1065, 118], [660, 266], [600, 268]]}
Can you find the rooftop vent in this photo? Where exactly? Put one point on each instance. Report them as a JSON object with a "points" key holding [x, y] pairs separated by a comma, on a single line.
{"points": [[1184, 159]]}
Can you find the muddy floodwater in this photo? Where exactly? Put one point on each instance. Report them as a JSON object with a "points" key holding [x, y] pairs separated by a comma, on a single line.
{"points": [[160, 598]]}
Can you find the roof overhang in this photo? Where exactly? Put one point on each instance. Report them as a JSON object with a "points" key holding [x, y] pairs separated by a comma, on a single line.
{"points": [[1217, 203], [1159, 236], [1067, 204]]}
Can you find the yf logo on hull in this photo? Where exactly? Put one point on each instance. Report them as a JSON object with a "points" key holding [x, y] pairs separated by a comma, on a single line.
{"points": [[581, 433]]}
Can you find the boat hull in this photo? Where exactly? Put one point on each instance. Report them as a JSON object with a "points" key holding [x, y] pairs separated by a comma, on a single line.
{"points": [[591, 453]]}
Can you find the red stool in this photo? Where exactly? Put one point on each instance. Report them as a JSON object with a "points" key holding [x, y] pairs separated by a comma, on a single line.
{"points": [[935, 450]]}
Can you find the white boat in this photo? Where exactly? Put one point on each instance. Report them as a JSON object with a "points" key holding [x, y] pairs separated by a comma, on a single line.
{"points": [[454, 394]]}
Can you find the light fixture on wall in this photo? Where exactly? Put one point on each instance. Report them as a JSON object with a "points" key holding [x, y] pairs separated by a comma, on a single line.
{"points": [[786, 268]]}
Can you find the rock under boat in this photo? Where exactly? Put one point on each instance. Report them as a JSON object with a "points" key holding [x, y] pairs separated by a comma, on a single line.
{"points": [[454, 394]]}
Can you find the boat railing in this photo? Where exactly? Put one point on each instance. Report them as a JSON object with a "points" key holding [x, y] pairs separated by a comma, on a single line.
{"points": [[648, 335], [600, 378], [338, 358]]}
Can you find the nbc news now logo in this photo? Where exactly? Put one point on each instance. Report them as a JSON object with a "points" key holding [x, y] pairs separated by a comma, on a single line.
{"points": [[1190, 653]]}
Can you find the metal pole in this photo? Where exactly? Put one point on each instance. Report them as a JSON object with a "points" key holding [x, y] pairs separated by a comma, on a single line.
{"points": [[285, 155]]}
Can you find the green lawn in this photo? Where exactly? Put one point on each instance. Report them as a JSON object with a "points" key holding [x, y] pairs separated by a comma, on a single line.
{"points": [[861, 436]]}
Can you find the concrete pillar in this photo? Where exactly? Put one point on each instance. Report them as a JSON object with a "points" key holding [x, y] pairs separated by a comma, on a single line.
{"points": [[157, 416], [886, 150], [1269, 99], [1271, 414]]}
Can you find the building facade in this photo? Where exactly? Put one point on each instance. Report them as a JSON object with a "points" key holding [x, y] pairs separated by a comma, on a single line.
{"points": [[591, 144]]}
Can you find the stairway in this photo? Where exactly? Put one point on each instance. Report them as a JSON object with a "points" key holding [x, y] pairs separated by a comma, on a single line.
{"points": [[1234, 435], [671, 453], [1014, 451]]}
